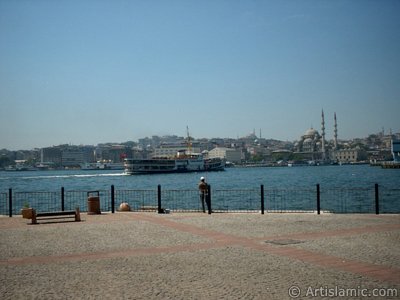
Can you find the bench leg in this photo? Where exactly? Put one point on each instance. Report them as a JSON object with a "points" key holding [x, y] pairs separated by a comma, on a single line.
{"points": [[77, 215]]}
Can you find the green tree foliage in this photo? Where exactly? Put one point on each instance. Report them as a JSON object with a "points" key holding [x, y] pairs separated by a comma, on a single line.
{"points": [[5, 161]]}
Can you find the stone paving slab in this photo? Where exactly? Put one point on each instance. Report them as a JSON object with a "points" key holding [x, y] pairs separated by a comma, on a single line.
{"points": [[198, 256], [86, 237], [371, 248], [274, 224], [225, 273]]}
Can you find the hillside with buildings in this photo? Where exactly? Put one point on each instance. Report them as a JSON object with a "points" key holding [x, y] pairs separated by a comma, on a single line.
{"points": [[311, 147]]}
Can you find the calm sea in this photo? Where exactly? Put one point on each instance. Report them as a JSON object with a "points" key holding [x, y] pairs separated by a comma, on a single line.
{"points": [[348, 188], [349, 176]]}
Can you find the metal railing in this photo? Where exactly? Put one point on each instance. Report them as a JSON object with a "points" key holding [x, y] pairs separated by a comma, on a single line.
{"points": [[290, 200], [246, 200], [181, 200], [73, 199], [4, 202], [389, 201], [137, 199], [348, 200], [47, 201], [334, 200]]}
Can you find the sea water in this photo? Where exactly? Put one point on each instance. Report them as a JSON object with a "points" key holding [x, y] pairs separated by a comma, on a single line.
{"points": [[290, 181], [349, 176]]}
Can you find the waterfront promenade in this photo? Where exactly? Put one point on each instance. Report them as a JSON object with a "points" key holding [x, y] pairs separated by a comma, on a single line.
{"points": [[198, 256]]}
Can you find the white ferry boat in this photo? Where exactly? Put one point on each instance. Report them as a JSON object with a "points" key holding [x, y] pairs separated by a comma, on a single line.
{"points": [[183, 162], [102, 166]]}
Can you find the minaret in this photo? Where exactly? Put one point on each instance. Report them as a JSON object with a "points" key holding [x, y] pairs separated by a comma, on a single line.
{"points": [[323, 135], [335, 132]]}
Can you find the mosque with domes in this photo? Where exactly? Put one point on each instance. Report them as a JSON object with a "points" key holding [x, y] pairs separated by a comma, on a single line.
{"points": [[310, 141], [313, 145]]}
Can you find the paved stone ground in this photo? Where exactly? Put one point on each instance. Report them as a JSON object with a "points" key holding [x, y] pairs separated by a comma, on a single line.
{"points": [[200, 256]]}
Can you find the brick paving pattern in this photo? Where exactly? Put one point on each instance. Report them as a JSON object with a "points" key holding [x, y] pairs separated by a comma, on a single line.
{"points": [[200, 256]]}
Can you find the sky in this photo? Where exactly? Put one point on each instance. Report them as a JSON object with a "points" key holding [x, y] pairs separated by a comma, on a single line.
{"points": [[88, 72]]}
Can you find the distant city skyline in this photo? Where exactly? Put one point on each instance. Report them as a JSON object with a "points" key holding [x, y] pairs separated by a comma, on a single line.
{"points": [[196, 139], [89, 72]]}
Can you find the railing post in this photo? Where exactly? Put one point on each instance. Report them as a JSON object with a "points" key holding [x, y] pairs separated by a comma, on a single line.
{"points": [[318, 200], [376, 199], [159, 199], [208, 199], [112, 199], [262, 199], [62, 199], [10, 202]]}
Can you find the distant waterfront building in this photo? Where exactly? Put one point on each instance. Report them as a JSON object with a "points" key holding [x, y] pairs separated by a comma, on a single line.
{"points": [[72, 158], [75, 156], [229, 154], [169, 150], [66, 155], [259, 150], [396, 150], [349, 155], [114, 153], [155, 141], [51, 155]]}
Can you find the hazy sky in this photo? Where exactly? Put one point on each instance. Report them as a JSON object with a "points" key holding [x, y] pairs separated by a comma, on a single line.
{"points": [[86, 72]]}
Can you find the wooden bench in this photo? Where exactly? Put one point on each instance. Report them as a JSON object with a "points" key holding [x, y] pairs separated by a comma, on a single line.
{"points": [[56, 215], [149, 208]]}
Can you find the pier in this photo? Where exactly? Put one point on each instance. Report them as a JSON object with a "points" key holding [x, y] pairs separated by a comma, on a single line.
{"points": [[386, 164], [391, 165]]}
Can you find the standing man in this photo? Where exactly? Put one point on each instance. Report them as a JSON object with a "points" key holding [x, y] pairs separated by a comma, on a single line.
{"points": [[203, 192]]}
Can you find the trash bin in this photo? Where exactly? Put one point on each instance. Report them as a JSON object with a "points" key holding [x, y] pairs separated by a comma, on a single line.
{"points": [[93, 203]]}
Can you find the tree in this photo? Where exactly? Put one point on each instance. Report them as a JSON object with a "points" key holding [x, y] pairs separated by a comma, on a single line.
{"points": [[257, 158], [5, 161]]}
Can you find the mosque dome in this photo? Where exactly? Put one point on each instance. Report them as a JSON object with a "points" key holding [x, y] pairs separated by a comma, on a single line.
{"points": [[311, 132]]}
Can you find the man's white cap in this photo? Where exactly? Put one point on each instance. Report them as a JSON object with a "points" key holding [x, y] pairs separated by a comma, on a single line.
{"points": [[202, 178]]}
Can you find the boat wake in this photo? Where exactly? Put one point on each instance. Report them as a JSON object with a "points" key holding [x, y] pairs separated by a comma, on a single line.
{"points": [[70, 176]]}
